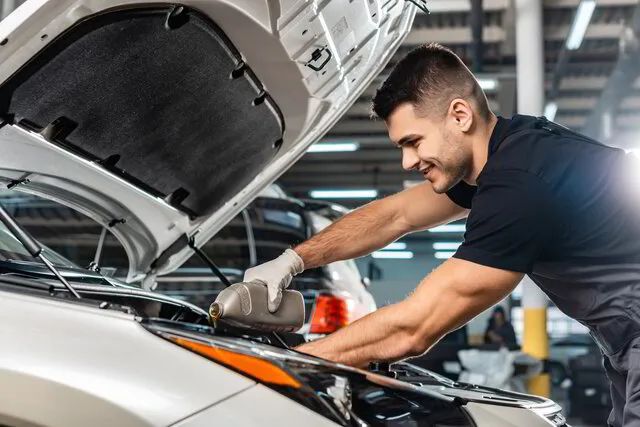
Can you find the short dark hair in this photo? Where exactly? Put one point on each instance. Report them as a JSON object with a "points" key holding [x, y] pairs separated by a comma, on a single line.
{"points": [[429, 77]]}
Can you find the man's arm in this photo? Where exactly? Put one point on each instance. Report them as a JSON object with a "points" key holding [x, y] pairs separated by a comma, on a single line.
{"points": [[358, 233], [379, 223], [448, 298]]}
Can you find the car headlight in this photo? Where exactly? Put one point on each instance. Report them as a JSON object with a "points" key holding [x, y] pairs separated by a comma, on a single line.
{"points": [[345, 395]]}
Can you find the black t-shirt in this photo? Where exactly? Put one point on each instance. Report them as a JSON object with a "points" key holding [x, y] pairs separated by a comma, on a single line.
{"points": [[513, 217], [565, 210]]}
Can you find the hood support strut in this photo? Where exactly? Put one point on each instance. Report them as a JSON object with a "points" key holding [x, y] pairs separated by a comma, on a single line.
{"points": [[208, 262]]}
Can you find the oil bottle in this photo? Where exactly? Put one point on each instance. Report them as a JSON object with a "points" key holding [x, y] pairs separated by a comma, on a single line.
{"points": [[244, 305]]}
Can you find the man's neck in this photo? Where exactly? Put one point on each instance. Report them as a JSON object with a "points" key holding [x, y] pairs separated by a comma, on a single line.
{"points": [[480, 149]]}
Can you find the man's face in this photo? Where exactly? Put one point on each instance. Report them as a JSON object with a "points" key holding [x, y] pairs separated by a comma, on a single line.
{"points": [[435, 149]]}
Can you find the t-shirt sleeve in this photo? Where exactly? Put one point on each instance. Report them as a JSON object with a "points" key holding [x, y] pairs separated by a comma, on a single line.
{"points": [[513, 222], [462, 194]]}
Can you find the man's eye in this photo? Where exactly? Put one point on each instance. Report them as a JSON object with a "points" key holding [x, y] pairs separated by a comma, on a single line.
{"points": [[412, 143]]}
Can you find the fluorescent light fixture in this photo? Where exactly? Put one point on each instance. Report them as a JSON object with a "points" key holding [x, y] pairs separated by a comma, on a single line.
{"points": [[343, 194], [395, 246], [333, 147], [550, 110], [449, 228], [436, 6], [488, 84], [393, 255], [446, 246], [444, 255], [580, 24]]}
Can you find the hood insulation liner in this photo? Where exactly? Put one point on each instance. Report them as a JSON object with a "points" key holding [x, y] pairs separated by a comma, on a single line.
{"points": [[159, 96]]}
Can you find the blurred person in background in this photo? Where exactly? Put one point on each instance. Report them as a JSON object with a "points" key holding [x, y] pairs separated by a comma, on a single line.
{"points": [[500, 330]]}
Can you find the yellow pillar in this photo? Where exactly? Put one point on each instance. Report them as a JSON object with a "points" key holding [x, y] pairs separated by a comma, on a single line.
{"points": [[535, 338], [536, 344]]}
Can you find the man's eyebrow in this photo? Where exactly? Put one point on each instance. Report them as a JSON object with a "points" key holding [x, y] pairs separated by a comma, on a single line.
{"points": [[407, 138]]}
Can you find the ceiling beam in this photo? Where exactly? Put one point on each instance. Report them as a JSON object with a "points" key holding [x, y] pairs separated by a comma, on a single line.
{"points": [[566, 4], [445, 6], [497, 34], [390, 154], [621, 80], [361, 180], [359, 127], [302, 169]]}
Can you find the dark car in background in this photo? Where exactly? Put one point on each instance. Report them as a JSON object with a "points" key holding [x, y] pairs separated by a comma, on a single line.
{"points": [[335, 295]]}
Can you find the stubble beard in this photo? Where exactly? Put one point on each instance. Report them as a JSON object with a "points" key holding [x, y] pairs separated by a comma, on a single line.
{"points": [[454, 166]]}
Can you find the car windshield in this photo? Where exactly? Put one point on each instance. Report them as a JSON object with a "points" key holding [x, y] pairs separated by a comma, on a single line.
{"points": [[12, 250]]}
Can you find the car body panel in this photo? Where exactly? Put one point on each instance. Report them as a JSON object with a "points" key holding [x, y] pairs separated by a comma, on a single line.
{"points": [[77, 362], [362, 36], [258, 405], [114, 368]]}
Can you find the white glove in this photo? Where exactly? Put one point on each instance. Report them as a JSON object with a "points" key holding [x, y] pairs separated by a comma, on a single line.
{"points": [[277, 275]]}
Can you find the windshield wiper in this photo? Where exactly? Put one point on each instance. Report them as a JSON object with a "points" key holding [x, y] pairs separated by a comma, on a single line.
{"points": [[32, 247]]}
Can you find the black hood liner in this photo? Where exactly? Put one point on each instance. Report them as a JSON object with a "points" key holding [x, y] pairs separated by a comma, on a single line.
{"points": [[159, 96]]}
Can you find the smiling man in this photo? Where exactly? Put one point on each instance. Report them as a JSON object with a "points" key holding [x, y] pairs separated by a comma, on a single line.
{"points": [[539, 199]]}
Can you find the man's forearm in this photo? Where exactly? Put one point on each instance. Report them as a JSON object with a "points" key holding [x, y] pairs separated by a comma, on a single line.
{"points": [[394, 332], [380, 336], [444, 301], [356, 234]]}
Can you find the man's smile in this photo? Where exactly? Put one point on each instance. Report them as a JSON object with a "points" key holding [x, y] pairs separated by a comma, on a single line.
{"points": [[425, 171]]}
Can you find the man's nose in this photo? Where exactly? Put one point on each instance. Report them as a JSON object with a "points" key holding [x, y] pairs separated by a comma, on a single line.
{"points": [[409, 159]]}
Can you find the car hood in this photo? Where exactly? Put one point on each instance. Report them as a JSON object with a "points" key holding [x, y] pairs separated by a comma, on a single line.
{"points": [[163, 121]]}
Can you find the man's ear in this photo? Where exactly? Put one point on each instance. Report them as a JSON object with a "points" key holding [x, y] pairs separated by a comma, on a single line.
{"points": [[461, 113]]}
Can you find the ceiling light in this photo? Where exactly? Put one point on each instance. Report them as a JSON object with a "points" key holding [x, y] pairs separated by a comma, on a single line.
{"points": [[444, 255], [396, 246], [446, 246], [449, 228], [488, 84], [550, 110], [436, 6], [333, 147], [393, 255], [343, 194], [580, 24]]}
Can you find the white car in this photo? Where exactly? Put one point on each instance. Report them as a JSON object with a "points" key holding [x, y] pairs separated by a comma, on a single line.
{"points": [[162, 122]]}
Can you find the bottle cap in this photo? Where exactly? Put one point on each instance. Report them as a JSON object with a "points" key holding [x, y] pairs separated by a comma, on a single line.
{"points": [[215, 311]]}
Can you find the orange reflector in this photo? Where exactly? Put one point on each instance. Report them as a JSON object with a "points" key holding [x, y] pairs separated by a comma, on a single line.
{"points": [[260, 369]]}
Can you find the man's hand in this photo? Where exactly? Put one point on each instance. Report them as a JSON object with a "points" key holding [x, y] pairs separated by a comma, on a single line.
{"points": [[453, 294], [495, 338], [276, 275]]}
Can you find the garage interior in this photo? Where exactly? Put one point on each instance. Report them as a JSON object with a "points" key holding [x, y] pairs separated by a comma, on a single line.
{"points": [[591, 60]]}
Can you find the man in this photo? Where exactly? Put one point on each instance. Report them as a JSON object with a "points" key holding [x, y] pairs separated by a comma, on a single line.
{"points": [[539, 200]]}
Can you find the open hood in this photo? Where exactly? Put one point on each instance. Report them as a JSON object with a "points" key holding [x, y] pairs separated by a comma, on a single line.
{"points": [[162, 121]]}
